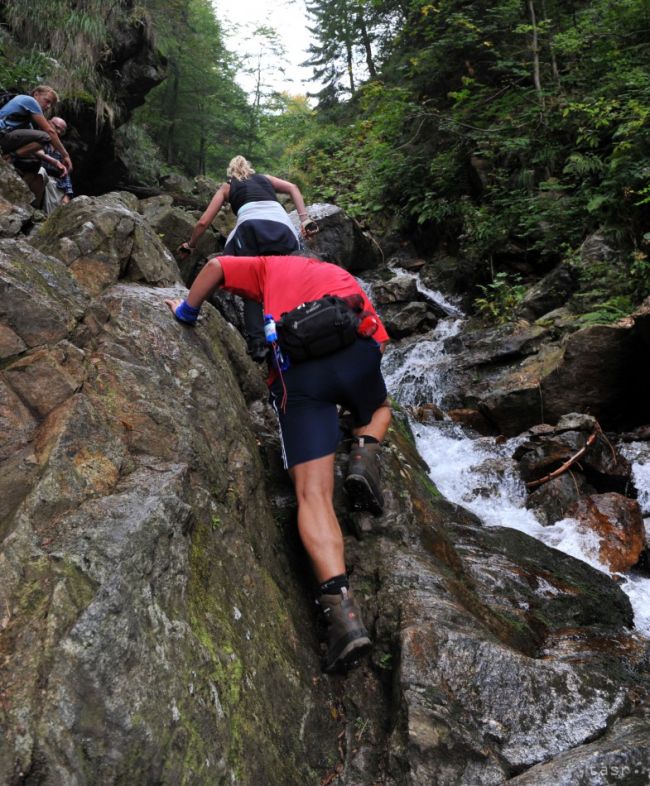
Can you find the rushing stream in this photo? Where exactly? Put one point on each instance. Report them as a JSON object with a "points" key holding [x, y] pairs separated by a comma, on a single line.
{"points": [[478, 473]]}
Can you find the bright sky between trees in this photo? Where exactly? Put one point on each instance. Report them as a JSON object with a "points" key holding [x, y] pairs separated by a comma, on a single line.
{"points": [[289, 20]]}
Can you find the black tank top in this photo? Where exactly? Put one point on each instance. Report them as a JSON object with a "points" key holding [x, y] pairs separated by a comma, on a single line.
{"points": [[255, 188]]}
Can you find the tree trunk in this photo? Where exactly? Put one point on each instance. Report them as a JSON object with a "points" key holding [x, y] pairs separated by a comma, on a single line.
{"points": [[365, 39], [348, 39], [202, 144], [534, 46], [556, 72]]}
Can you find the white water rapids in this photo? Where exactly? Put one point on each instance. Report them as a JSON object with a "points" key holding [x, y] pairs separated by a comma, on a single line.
{"points": [[465, 471]]}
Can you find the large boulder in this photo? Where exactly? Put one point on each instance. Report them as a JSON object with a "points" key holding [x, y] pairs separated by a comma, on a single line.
{"points": [[549, 293], [553, 500], [620, 756], [340, 239], [518, 378], [617, 523], [543, 449], [403, 308], [103, 239], [15, 201], [141, 610], [174, 225]]}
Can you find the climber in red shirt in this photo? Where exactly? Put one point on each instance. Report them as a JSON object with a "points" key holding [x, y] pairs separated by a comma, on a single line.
{"points": [[305, 397]]}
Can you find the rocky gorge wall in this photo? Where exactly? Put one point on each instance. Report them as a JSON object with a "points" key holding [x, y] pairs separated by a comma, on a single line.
{"points": [[156, 615], [126, 66]]}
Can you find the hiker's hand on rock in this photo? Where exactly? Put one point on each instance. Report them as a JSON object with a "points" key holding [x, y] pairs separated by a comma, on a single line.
{"points": [[173, 305]]}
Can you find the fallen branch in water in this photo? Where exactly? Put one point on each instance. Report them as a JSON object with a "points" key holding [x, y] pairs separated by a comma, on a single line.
{"points": [[561, 470]]}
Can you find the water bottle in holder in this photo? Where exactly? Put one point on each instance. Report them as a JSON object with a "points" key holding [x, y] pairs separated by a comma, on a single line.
{"points": [[270, 331], [271, 335]]}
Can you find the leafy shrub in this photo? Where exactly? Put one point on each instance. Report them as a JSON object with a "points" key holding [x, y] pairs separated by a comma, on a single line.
{"points": [[608, 311], [24, 72], [500, 298]]}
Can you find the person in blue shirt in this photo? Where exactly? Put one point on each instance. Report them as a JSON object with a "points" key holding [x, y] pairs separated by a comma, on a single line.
{"points": [[24, 129]]}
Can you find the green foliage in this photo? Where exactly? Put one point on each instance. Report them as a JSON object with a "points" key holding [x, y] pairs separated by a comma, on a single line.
{"points": [[640, 273], [608, 311], [500, 298], [199, 116], [25, 71], [76, 36], [489, 143]]}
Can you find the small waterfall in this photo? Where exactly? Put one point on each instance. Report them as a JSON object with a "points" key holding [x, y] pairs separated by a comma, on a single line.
{"points": [[479, 474], [432, 294], [408, 368]]}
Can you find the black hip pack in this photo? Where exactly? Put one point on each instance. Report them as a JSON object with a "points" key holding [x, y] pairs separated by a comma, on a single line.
{"points": [[318, 328]]}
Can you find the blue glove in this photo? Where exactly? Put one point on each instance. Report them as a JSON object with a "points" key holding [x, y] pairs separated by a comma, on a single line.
{"points": [[186, 313]]}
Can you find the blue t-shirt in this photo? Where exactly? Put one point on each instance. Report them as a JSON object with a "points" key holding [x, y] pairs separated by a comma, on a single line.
{"points": [[18, 112]]}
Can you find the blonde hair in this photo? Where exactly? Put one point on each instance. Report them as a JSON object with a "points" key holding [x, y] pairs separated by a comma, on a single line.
{"points": [[240, 168], [47, 90]]}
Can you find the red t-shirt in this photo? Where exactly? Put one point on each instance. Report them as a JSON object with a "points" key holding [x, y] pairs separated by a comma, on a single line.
{"points": [[282, 283]]}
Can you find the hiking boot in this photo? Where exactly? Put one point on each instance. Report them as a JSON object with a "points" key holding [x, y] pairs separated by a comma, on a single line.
{"points": [[347, 638], [363, 480]]}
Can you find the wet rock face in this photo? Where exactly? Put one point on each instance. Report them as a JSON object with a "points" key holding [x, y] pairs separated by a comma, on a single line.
{"points": [[492, 632], [156, 623], [552, 501], [546, 448], [403, 309], [141, 611], [564, 465], [621, 756], [405, 319], [618, 524]]}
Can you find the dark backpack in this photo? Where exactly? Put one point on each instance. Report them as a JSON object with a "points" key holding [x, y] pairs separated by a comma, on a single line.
{"points": [[6, 96], [318, 328]]}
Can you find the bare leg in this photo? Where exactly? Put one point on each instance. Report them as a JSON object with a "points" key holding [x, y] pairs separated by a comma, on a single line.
{"points": [[378, 425], [347, 637], [363, 481], [317, 523], [28, 149]]}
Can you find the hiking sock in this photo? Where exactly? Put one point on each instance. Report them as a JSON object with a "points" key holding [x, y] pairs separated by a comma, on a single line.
{"points": [[364, 439], [186, 313], [334, 585]]}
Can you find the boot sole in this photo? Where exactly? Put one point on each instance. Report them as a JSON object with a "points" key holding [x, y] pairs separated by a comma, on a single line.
{"points": [[349, 656], [362, 495]]}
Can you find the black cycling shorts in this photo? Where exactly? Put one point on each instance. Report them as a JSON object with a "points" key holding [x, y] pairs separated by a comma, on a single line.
{"points": [[257, 237], [309, 425]]}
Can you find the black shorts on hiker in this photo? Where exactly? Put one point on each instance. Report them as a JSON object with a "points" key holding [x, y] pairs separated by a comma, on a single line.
{"points": [[309, 426], [258, 237], [12, 140]]}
